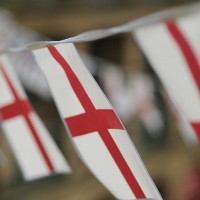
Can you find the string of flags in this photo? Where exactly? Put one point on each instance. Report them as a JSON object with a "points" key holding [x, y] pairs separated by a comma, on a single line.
{"points": [[169, 40]]}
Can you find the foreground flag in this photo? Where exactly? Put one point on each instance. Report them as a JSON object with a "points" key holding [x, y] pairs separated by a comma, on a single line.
{"points": [[173, 49], [96, 131], [34, 149]]}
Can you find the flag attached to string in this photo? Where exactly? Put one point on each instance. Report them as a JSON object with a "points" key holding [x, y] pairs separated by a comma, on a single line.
{"points": [[173, 49], [97, 133], [33, 147]]}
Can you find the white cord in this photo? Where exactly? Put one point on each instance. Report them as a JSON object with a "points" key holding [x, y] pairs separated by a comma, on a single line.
{"points": [[102, 33]]}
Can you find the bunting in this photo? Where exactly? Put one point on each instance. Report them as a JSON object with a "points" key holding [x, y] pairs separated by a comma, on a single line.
{"points": [[171, 46]]}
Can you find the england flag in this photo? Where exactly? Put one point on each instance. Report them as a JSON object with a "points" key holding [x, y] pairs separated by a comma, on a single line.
{"points": [[97, 133], [173, 49], [34, 149]]}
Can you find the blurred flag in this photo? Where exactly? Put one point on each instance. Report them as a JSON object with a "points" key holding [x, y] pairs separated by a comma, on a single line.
{"points": [[13, 34], [151, 108], [34, 149], [186, 131], [97, 133], [135, 94], [173, 49], [115, 84]]}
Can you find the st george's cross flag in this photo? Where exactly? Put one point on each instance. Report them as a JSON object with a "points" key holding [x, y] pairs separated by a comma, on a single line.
{"points": [[96, 132], [35, 151], [173, 49]]}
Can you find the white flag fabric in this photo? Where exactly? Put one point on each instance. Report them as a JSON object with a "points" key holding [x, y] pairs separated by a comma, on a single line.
{"points": [[34, 149], [97, 133], [173, 49]]}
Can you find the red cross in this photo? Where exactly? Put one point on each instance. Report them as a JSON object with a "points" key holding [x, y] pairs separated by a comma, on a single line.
{"points": [[21, 107], [96, 120], [190, 58]]}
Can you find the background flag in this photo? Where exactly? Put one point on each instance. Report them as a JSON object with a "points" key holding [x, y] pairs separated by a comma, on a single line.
{"points": [[123, 92], [173, 49], [13, 34]]}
